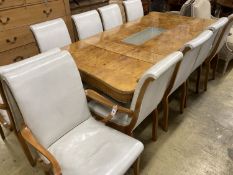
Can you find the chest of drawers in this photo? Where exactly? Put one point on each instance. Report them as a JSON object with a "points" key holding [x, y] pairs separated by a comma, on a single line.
{"points": [[16, 39]]}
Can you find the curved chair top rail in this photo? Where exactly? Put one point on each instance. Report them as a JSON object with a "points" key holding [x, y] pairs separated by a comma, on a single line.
{"points": [[51, 34]]}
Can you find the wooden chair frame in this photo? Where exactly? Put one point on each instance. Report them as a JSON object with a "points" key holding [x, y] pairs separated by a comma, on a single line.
{"points": [[12, 126], [26, 136]]}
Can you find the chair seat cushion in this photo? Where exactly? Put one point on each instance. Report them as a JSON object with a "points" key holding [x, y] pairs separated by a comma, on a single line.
{"points": [[95, 149], [230, 39], [103, 111]]}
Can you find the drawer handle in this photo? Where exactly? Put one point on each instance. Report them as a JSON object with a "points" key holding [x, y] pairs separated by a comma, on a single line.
{"points": [[11, 41], [2, 1], [4, 20], [18, 58], [47, 12]]}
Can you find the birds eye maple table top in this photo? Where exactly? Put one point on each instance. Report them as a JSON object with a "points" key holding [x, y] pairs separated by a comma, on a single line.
{"points": [[113, 61]]}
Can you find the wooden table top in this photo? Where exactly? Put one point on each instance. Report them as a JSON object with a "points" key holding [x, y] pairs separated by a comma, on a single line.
{"points": [[114, 67]]}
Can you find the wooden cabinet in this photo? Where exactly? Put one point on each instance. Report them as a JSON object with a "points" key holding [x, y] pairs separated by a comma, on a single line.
{"points": [[18, 53], [11, 3], [16, 39]]}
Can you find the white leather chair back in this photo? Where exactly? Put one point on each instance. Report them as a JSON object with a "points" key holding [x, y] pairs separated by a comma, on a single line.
{"points": [[159, 76], [87, 24], [201, 9], [205, 48], [51, 34], [217, 29], [50, 96], [186, 8], [133, 9], [191, 51], [111, 16], [4, 69]]}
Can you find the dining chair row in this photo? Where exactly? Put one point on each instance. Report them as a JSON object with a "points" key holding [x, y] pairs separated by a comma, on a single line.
{"points": [[146, 98], [54, 33], [202, 9]]}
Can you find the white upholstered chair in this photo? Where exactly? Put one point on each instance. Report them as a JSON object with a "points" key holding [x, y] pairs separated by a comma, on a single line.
{"points": [[111, 16], [87, 24], [6, 118], [51, 34], [58, 123], [201, 9], [226, 54], [133, 9], [203, 55], [11, 122], [185, 9], [191, 51], [148, 94], [221, 29]]}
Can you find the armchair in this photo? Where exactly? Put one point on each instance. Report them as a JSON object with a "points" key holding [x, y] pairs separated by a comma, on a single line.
{"points": [[6, 118], [148, 94], [58, 124]]}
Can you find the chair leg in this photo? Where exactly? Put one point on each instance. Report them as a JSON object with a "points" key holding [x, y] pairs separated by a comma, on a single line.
{"points": [[183, 97], [215, 65], [186, 93], [225, 67], [26, 149], [199, 70], [136, 166], [154, 124], [2, 133], [206, 76], [165, 114]]}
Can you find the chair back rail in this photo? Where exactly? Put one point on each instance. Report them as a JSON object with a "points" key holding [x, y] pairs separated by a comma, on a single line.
{"points": [[133, 9], [111, 16], [87, 24], [51, 34]]}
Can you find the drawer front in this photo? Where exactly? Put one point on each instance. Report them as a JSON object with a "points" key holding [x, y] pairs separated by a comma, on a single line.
{"points": [[17, 17], [18, 54], [10, 3], [38, 1], [44, 12], [10, 39], [13, 18]]}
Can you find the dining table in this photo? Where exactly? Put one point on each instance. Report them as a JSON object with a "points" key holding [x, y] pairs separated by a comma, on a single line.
{"points": [[113, 61]]}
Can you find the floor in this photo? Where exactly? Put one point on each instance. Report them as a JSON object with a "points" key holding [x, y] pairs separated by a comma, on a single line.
{"points": [[199, 142]]}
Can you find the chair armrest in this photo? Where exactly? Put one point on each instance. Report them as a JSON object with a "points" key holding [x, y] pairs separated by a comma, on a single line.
{"points": [[28, 136], [3, 106], [104, 101]]}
